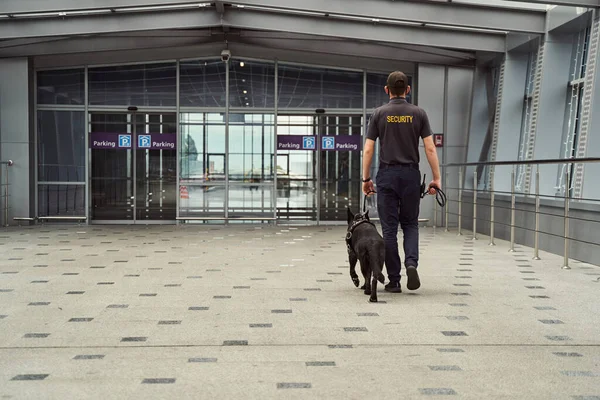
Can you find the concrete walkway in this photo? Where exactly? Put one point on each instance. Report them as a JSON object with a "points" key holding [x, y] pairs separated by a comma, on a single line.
{"points": [[201, 312]]}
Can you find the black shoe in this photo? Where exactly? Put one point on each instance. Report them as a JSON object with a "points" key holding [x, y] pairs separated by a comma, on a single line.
{"points": [[413, 278], [393, 287]]}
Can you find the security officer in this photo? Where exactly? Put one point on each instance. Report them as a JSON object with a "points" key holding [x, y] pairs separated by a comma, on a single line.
{"points": [[399, 125]]}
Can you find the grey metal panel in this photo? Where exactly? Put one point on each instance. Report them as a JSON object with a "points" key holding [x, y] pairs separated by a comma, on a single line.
{"points": [[366, 31], [510, 117], [14, 132], [455, 14], [479, 114], [431, 94], [562, 17], [125, 22], [553, 102]]}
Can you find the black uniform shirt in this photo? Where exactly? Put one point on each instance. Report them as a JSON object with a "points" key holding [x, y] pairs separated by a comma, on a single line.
{"points": [[399, 125]]}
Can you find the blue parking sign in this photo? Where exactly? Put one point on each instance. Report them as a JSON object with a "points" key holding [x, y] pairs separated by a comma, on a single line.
{"points": [[144, 141], [308, 142], [125, 141], [328, 143]]}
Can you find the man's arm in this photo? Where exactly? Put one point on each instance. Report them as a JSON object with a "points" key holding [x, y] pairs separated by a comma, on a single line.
{"points": [[368, 152], [431, 152]]}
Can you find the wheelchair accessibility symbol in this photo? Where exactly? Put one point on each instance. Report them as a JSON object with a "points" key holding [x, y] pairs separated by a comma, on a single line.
{"points": [[144, 141], [328, 143], [124, 140], [308, 142]]}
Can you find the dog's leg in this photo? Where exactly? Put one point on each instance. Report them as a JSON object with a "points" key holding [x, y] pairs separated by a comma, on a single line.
{"points": [[366, 270], [373, 298], [353, 260]]}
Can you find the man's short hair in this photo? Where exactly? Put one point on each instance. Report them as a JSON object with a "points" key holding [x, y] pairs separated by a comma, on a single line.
{"points": [[397, 83]]}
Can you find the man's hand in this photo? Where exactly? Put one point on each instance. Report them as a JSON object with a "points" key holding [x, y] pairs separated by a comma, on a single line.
{"points": [[435, 183], [368, 188]]}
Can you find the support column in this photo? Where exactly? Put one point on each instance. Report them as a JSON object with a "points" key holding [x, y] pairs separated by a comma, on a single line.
{"points": [[16, 138]]}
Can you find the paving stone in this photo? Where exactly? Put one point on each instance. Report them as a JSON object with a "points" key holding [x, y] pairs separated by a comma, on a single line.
{"points": [[235, 343], [437, 391], [567, 354], [293, 385], [89, 357], [159, 381], [30, 377], [454, 333], [444, 368], [134, 339]]}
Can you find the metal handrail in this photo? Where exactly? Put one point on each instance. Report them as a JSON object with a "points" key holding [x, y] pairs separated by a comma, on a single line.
{"points": [[6, 184], [513, 208], [528, 162]]}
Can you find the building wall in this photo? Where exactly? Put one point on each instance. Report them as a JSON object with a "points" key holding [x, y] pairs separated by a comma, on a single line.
{"points": [[445, 94], [15, 138], [551, 129]]}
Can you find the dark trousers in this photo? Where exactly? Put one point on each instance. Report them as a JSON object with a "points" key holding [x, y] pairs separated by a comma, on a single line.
{"points": [[398, 201]]}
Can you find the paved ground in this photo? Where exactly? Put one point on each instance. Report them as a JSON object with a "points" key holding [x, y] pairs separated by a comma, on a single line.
{"points": [[242, 312]]}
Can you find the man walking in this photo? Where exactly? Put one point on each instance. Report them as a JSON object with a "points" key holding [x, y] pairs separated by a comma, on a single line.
{"points": [[398, 125]]}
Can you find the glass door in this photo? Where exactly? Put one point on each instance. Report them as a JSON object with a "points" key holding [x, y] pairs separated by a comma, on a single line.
{"points": [[133, 167], [155, 167], [112, 177]]}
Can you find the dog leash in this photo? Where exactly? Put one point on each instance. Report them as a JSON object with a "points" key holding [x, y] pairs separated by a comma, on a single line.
{"points": [[365, 201], [440, 196]]}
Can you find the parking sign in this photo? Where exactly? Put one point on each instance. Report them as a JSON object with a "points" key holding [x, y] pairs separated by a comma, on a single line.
{"points": [[328, 143], [308, 142], [144, 141], [125, 141]]}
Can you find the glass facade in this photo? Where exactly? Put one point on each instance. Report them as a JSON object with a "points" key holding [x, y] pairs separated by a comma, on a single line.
{"points": [[191, 154]]}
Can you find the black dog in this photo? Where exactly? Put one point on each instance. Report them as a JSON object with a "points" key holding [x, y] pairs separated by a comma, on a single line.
{"points": [[365, 244]]}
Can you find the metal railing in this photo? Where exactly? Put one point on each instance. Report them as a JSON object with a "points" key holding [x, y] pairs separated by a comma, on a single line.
{"points": [[564, 202], [4, 186]]}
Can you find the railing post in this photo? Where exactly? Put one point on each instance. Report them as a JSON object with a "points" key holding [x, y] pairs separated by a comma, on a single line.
{"points": [[460, 201], [447, 207], [492, 213], [512, 210], [566, 219], [8, 163], [536, 249], [475, 205]]}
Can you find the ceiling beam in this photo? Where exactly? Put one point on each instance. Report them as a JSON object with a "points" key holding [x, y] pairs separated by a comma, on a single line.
{"points": [[256, 20], [572, 3], [111, 23], [40, 47], [450, 14], [347, 48], [15, 7], [359, 30]]}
